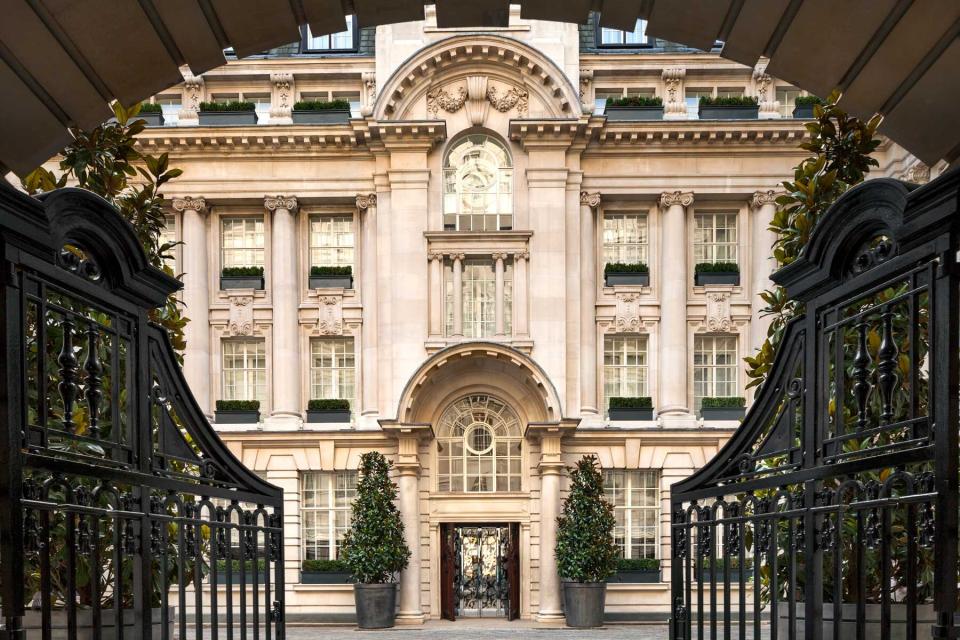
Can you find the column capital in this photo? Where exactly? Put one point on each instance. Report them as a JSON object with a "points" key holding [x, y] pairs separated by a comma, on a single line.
{"points": [[672, 198], [521, 255], [435, 256], [588, 199], [189, 203], [760, 198], [366, 200], [460, 257], [499, 255], [272, 203]]}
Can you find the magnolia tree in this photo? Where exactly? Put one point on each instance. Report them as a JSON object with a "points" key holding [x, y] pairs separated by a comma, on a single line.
{"points": [[586, 551]]}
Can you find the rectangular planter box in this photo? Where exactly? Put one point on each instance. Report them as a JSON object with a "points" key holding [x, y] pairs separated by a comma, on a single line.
{"points": [[722, 413], [241, 282], [729, 113], [326, 116], [717, 277], [644, 576], [220, 118], [708, 576], [805, 112], [154, 118], [331, 282], [926, 618], [236, 417], [235, 578], [634, 113], [108, 625], [328, 416], [325, 577], [637, 278], [631, 414]]}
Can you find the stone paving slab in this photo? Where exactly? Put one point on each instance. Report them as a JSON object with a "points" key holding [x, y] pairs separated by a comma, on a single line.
{"points": [[476, 630]]}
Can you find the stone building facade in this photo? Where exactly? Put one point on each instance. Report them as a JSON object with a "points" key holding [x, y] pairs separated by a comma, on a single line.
{"points": [[477, 192]]}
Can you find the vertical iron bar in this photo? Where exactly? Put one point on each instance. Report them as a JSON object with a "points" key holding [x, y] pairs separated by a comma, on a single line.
{"points": [[70, 547], [911, 558], [838, 570], [46, 587], [742, 555], [96, 616], [861, 580], [726, 572], [772, 562], [885, 534]]}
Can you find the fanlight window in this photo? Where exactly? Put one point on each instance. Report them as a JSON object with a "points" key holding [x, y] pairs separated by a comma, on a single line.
{"points": [[479, 446], [478, 186]]}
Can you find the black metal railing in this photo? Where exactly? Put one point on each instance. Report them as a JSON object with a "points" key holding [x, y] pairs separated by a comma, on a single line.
{"points": [[122, 514], [832, 512]]}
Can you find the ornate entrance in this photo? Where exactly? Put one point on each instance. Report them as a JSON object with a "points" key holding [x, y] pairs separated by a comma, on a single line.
{"points": [[480, 571]]}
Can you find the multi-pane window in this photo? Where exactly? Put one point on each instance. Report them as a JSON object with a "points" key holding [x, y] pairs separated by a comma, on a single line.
{"points": [[625, 371], [715, 237], [244, 370], [635, 495], [331, 241], [171, 105], [616, 37], [241, 242], [353, 98], [332, 368], [692, 97], [478, 297], [325, 501], [168, 236], [714, 367], [262, 105], [342, 41], [786, 96], [478, 446], [624, 238], [478, 186]]}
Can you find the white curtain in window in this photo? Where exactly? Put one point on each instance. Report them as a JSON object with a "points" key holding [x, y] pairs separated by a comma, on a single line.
{"points": [[325, 501], [244, 370]]}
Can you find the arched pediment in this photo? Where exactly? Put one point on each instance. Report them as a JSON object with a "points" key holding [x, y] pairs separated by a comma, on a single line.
{"points": [[477, 73]]}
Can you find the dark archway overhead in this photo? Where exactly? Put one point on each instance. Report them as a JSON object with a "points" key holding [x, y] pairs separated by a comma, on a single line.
{"points": [[63, 61]]}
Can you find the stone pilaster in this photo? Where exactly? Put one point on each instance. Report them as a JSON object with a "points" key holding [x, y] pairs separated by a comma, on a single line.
{"points": [[763, 206], [499, 292], [521, 308], [674, 285], [589, 210], [436, 295], [367, 208], [287, 405], [458, 294], [196, 298]]}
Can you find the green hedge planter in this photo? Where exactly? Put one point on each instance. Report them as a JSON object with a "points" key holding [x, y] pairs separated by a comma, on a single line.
{"points": [[722, 413], [241, 278], [640, 408], [153, 118], [325, 577], [234, 416], [635, 278], [631, 414], [729, 112], [331, 282], [636, 576], [227, 118], [321, 116], [803, 111], [633, 113], [708, 278], [328, 415]]}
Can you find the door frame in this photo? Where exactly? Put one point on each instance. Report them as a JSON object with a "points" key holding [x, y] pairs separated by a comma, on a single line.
{"points": [[447, 572]]}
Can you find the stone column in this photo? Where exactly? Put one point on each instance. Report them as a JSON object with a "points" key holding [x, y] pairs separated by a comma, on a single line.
{"points": [[498, 304], [284, 280], [367, 207], [521, 327], [673, 303], [196, 299], [436, 295], [763, 206], [589, 208], [458, 294]]}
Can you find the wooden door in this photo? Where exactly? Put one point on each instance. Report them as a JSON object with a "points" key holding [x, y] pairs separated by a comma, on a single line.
{"points": [[513, 571], [447, 572]]}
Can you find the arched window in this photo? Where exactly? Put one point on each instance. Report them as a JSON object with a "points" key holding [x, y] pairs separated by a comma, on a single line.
{"points": [[477, 185], [479, 446]]}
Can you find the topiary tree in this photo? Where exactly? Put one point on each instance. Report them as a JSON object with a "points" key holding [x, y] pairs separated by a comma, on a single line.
{"points": [[374, 549], [586, 551]]}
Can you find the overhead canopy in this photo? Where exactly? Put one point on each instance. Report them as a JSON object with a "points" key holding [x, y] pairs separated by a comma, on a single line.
{"points": [[63, 61]]}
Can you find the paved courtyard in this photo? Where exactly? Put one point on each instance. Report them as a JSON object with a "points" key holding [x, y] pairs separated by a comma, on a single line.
{"points": [[480, 630]]}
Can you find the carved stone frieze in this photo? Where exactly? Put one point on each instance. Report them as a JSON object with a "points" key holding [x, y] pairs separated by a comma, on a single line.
{"points": [[513, 97], [330, 315], [442, 99]]}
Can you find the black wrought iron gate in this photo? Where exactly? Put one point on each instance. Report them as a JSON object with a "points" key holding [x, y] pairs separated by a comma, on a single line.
{"points": [[832, 512], [122, 514]]}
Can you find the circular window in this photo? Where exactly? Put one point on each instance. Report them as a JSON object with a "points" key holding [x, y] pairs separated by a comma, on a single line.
{"points": [[478, 439], [478, 446]]}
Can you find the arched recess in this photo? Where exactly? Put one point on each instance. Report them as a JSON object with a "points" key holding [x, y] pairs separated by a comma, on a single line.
{"points": [[504, 62], [479, 367]]}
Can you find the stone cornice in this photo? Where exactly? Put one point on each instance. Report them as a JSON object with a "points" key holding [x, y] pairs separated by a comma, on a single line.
{"points": [[421, 134], [675, 133], [272, 138], [547, 131]]}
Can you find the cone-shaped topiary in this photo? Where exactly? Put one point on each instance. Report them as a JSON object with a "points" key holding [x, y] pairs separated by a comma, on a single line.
{"points": [[586, 551], [374, 548]]}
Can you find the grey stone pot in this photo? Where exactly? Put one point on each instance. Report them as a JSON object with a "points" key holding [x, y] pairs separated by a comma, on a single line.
{"points": [[331, 282], [321, 116], [325, 577], [241, 282], [729, 112], [376, 605], [631, 414], [328, 415], [803, 111], [634, 113], [716, 277], [583, 603], [236, 417], [636, 278], [722, 413], [154, 118], [220, 118]]}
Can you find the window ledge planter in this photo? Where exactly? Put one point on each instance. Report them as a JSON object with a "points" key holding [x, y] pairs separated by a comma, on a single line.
{"points": [[634, 113], [235, 577], [803, 111], [328, 415], [331, 282], [241, 282], [729, 112], [708, 278], [636, 576], [321, 116], [722, 413], [236, 416], [618, 414], [325, 577], [625, 279], [153, 118], [220, 118]]}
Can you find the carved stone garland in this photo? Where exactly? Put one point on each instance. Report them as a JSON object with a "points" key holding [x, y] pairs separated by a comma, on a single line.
{"points": [[330, 316], [476, 96]]}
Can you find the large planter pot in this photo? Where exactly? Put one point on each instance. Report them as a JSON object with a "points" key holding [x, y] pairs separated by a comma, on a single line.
{"points": [[729, 112], [722, 413], [583, 603], [241, 282], [716, 277], [321, 116], [154, 118], [634, 113], [325, 577], [376, 605], [635, 278], [327, 415], [236, 417], [803, 111], [331, 282], [220, 118], [637, 576], [631, 414], [848, 621], [58, 623]]}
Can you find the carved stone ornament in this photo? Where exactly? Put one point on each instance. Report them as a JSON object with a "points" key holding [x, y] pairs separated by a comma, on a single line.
{"points": [[675, 103], [272, 203], [441, 99], [330, 316], [283, 94], [591, 200], [188, 203], [514, 97], [586, 81], [241, 316], [671, 198], [918, 173], [366, 200], [766, 98], [718, 312], [628, 318], [760, 198]]}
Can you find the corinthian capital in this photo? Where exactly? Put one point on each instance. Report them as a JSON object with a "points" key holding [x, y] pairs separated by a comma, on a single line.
{"points": [[366, 200], [760, 198], [188, 203], [671, 198], [591, 200], [272, 203]]}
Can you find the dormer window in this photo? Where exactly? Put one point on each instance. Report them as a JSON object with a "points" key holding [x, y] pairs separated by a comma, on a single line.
{"points": [[478, 185]]}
